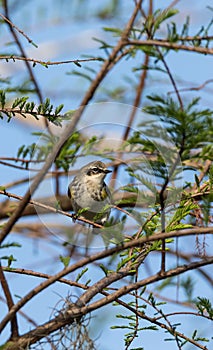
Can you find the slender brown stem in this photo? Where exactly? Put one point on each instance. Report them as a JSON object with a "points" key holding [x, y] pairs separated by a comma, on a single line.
{"points": [[138, 97], [13, 32], [15, 27], [166, 44], [49, 63], [136, 103], [10, 304]]}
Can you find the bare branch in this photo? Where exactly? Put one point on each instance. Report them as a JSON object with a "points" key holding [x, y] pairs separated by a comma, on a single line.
{"points": [[14, 34], [160, 43], [75, 312], [12, 25], [108, 252], [10, 304], [49, 63], [43, 275]]}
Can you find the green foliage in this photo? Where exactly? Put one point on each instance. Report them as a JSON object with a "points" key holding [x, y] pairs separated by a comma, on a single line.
{"points": [[65, 260], [154, 21], [201, 38], [9, 258], [188, 284], [115, 31], [204, 306], [81, 274], [104, 45], [142, 177], [112, 232], [132, 327], [124, 261], [21, 107], [69, 151], [210, 173], [27, 151], [165, 283], [82, 210], [2, 99], [89, 144], [104, 269], [10, 245], [151, 224], [198, 338], [206, 208], [197, 182], [182, 124], [82, 75], [40, 150], [133, 320], [181, 213], [162, 165], [152, 300], [6, 345]]}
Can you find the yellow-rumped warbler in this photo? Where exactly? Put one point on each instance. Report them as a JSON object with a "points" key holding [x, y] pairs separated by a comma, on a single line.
{"points": [[88, 190]]}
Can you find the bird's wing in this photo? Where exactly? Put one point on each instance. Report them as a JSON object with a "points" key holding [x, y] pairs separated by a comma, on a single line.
{"points": [[69, 192], [109, 195]]}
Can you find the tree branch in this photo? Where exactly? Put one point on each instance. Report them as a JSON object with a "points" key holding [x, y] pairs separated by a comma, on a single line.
{"points": [[10, 304], [14, 34], [45, 64], [74, 312], [173, 46], [108, 252]]}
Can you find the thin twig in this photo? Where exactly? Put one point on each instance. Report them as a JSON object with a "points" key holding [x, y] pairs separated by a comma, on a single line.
{"points": [[18, 29], [10, 304], [51, 209], [189, 257], [15, 183], [184, 313], [17, 166], [152, 320], [49, 63], [172, 46], [136, 103], [138, 97], [27, 272], [74, 312], [195, 88], [5, 5], [109, 252], [28, 66]]}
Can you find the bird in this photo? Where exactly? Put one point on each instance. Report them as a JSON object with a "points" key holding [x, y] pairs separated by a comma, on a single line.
{"points": [[89, 191]]}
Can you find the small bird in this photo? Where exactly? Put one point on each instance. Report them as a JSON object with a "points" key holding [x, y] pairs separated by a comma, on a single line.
{"points": [[88, 190]]}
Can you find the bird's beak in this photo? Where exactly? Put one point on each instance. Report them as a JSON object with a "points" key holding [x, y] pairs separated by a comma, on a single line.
{"points": [[107, 171]]}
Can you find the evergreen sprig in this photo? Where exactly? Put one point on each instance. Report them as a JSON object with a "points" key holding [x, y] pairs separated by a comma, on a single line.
{"points": [[21, 106]]}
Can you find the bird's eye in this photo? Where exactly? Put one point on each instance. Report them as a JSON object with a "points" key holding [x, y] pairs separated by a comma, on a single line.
{"points": [[95, 170]]}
